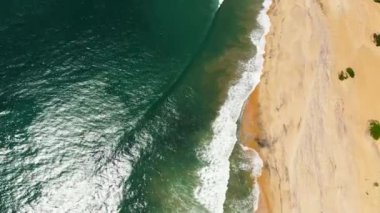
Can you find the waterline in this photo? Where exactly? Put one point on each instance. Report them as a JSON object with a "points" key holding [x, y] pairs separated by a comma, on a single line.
{"points": [[211, 192]]}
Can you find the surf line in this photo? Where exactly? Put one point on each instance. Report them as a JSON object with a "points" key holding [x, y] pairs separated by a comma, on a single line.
{"points": [[211, 192]]}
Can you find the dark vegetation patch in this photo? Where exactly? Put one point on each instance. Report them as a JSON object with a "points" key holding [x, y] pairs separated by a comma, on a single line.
{"points": [[350, 72], [343, 75], [376, 184], [377, 1], [376, 36], [374, 129]]}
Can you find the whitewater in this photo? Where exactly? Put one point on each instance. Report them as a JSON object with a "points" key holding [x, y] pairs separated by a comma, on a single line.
{"points": [[214, 177]]}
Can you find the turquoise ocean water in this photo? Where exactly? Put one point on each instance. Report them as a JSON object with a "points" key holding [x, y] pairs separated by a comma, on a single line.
{"points": [[112, 106]]}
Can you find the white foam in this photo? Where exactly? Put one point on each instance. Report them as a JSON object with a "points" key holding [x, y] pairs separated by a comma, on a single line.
{"points": [[220, 2], [256, 161], [6, 112], [211, 192], [256, 165]]}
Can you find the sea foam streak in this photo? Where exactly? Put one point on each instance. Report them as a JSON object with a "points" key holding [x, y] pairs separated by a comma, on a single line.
{"points": [[211, 192]]}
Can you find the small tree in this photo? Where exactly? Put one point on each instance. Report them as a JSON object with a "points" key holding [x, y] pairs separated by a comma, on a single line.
{"points": [[343, 75], [350, 72], [376, 37], [374, 129]]}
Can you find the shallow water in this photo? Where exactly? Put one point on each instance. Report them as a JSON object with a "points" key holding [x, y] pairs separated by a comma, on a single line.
{"points": [[106, 106]]}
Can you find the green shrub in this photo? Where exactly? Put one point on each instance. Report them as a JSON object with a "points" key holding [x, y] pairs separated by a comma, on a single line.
{"points": [[376, 37], [343, 76], [374, 129], [350, 71]]}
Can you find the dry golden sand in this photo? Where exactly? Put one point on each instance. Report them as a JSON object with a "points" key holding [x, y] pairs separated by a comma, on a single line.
{"points": [[311, 127]]}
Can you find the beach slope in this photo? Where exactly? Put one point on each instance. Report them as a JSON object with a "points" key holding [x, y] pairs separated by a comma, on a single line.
{"points": [[309, 127]]}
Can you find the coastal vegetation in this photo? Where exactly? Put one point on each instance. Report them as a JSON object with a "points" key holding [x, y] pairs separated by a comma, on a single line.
{"points": [[376, 36], [343, 75], [350, 72], [374, 129]]}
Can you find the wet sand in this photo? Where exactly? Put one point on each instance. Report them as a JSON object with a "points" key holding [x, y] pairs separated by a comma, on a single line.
{"points": [[310, 128]]}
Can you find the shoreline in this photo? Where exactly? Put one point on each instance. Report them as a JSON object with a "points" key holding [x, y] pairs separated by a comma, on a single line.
{"points": [[309, 128], [212, 193]]}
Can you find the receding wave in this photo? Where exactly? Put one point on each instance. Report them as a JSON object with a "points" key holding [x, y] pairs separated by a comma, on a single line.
{"points": [[211, 192]]}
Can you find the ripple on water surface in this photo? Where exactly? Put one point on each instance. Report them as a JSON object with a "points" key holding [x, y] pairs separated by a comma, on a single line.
{"points": [[91, 121], [69, 159]]}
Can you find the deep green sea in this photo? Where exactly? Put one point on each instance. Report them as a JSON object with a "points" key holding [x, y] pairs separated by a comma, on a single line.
{"points": [[125, 105]]}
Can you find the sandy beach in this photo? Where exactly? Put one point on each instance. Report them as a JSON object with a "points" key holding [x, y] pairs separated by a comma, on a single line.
{"points": [[309, 127]]}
